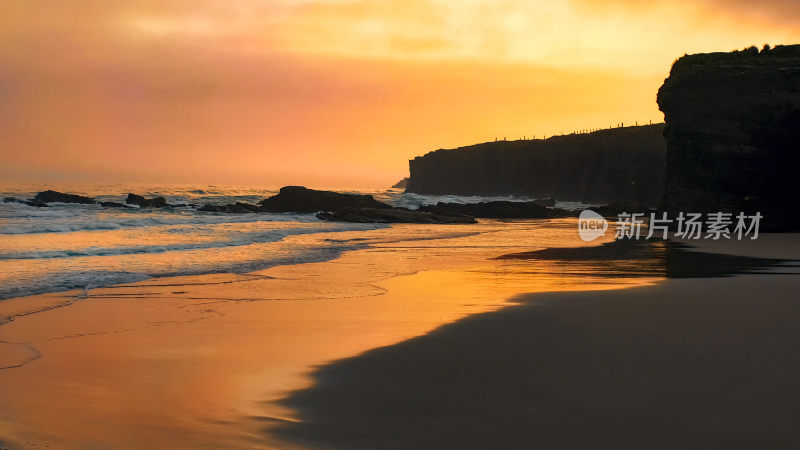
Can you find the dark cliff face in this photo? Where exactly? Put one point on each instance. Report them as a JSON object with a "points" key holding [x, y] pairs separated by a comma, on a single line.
{"points": [[615, 165], [733, 134]]}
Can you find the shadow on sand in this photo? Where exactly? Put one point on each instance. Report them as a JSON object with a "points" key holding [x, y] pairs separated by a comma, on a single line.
{"points": [[690, 364]]}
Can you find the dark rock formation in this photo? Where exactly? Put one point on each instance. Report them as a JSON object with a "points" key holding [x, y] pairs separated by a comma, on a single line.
{"points": [[498, 210], [32, 202], [236, 208], [391, 215], [156, 202], [340, 207], [733, 128], [60, 197], [304, 200], [112, 205], [545, 202], [621, 164], [402, 184]]}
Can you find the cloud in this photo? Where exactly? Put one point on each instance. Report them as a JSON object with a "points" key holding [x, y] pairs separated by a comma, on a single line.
{"points": [[269, 90], [776, 13]]}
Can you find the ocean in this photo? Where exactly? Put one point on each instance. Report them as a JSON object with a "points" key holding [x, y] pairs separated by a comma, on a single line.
{"points": [[70, 246]]}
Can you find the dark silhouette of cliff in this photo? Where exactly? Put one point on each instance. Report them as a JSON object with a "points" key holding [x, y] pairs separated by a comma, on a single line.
{"points": [[402, 184], [733, 134], [616, 165]]}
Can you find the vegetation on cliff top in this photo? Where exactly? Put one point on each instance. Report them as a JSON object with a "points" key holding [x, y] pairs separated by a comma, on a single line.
{"points": [[751, 55]]}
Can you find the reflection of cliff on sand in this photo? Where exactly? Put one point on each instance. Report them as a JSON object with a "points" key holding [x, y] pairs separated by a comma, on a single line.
{"points": [[646, 258]]}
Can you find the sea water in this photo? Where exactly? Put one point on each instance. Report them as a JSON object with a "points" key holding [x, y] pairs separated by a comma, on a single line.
{"points": [[73, 246]]}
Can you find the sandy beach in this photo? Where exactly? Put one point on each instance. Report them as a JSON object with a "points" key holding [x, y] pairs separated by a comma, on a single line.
{"points": [[432, 343]]}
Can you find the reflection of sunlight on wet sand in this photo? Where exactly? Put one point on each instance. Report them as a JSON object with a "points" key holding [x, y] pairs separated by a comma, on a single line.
{"points": [[183, 361]]}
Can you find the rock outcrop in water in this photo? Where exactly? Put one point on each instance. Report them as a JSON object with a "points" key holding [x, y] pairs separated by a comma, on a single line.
{"points": [[303, 200], [616, 165], [234, 208], [112, 205], [733, 134], [341, 207], [155, 202], [335, 206], [60, 197]]}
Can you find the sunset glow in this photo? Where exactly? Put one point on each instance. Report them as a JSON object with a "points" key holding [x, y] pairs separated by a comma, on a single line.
{"points": [[330, 92]]}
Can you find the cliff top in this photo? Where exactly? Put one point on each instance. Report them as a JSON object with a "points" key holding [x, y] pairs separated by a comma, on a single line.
{"points": [[528, 144], [750, 56], [744, 78]]}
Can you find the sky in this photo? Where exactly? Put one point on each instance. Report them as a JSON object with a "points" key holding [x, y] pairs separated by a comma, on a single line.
{"points": [[331, 93]]}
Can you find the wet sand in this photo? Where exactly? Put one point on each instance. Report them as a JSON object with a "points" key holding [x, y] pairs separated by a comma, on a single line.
{"points": [[203, 362], [689, 363]]}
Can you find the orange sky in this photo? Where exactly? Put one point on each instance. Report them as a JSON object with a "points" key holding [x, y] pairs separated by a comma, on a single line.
{"points": [[334, 93]]}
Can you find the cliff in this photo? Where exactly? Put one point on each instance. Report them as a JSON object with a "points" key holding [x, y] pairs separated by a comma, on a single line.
{"points": [[732, 130], [402, 184], [614, 165]]}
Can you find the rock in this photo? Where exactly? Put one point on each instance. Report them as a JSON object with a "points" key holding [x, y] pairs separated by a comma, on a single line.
{"points": [[401, 184], [236, 208], [304, 200], [733, 127], [246, 207], [156, 202], [615, 165], [112, 205], [498, 210], [60, 197], [32, 202], [391, 215]]}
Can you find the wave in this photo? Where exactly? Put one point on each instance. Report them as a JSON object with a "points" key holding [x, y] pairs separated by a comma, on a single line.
{"points": [[60, 282], [73, 218], [414, 201], [229, 239], [33, 277], [91, 279]]}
